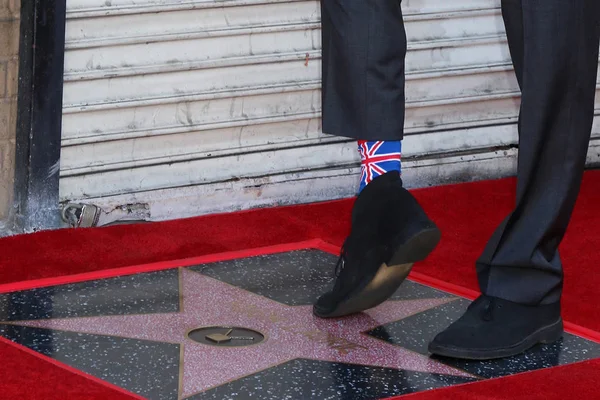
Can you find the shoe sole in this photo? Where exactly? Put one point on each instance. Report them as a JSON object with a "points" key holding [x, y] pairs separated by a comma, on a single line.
{"points": [[388, 278], [546, 335]]}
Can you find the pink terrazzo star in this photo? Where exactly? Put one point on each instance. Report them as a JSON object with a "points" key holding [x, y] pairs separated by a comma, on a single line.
{"points": [[292, 332]]}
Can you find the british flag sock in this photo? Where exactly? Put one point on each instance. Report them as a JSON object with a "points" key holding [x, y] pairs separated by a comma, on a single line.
{"points": [[377, 158]]}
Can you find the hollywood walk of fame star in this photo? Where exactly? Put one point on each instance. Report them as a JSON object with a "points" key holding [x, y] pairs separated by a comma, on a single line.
{"points": [[291, 332]]}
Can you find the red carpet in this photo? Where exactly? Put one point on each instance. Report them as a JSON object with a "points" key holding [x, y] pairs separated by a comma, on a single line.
{"points": [[26, 376], [466, 213]]}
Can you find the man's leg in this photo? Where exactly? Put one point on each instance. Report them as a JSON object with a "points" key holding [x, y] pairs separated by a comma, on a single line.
{"points": [[554, 45], [364, 46], [557, 66]]}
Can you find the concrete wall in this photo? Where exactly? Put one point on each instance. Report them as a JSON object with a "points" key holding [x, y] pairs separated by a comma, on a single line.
{"points": [[9, 52]]}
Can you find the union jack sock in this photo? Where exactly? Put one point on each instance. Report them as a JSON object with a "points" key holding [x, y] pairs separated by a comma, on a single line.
{"points": [[377, 158]]}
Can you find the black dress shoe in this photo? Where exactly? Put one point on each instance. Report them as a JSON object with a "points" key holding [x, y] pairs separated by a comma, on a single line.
{"points": [[496, 328], [390, 231]]}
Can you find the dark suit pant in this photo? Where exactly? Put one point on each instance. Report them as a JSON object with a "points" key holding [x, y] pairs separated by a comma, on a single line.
{"points": [[554, 46]]}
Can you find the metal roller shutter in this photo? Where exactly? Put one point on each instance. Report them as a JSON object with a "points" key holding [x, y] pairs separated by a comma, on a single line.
{"points": [[199, 106]]}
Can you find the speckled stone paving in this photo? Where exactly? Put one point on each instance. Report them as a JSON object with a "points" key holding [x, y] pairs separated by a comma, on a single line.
{"points": [[132, 332]]}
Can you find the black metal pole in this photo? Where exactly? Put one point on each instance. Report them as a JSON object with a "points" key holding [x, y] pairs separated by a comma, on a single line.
{"points": [[37, 161]]}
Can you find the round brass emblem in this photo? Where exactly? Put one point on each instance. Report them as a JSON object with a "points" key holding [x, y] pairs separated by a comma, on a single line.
{"points": [[223, 336]]}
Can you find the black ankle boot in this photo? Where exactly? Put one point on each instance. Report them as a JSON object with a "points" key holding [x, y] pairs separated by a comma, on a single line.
{"points": [[496, 328], [390, 231]]}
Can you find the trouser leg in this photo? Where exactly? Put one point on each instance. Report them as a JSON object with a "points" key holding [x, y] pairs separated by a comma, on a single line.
{"points": [[554, 46], [364, 48]]}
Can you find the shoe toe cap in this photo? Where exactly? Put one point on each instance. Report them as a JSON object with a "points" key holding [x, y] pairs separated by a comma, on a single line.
{"points": [[455, 336], [324, 305], [443, 339]]}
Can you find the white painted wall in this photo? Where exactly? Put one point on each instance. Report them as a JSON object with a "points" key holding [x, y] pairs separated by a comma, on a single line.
{"points": [[203, 106]]}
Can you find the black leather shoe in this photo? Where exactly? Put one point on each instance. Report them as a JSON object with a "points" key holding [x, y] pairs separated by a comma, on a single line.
{"points": [[496, 328], [390, 231]]}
